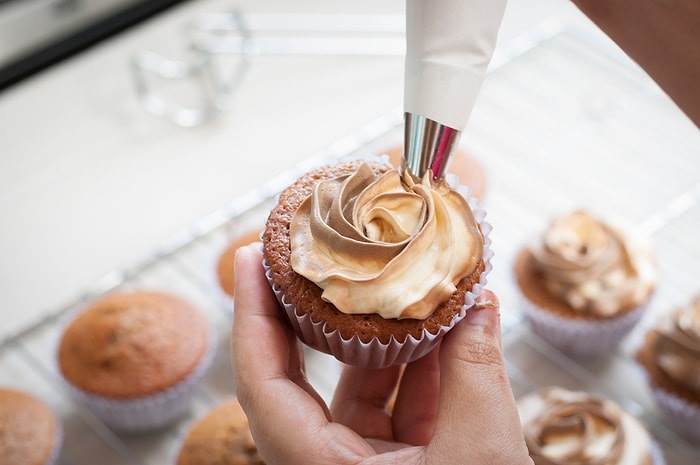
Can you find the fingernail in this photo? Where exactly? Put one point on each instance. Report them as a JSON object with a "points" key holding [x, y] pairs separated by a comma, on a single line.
{"points": [[237, 258], [485, 310]]}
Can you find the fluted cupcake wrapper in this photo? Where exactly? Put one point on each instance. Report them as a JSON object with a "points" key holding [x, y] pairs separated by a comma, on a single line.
{"points": [[52, 459], [150, 412], [657, 455], [375, 354], [580, 337], [683, 416]]}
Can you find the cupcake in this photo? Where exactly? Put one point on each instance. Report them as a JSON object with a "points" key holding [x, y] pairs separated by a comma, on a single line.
{"points": [[224, 266], [370, 267], [584, 283], [564, 427], [221, 437], [135, 358], [30, 433], [468, 170], [670, 357]]}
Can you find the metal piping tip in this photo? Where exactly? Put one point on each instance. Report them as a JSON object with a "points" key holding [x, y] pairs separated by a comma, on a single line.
{"points": [[428, 146]]}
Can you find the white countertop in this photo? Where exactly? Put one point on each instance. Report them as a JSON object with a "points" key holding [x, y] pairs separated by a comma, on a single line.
{"points": [[90, 182]]}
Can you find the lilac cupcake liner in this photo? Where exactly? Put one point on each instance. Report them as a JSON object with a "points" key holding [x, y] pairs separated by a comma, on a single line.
{"points": [[375, 354], [683, 416], [657, 455], [580, 337], [150, 412], [52, 459]]}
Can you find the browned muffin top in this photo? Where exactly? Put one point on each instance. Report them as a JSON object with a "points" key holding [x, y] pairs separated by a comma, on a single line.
{"points": [[221, 437], [132, 345], [306, 295], [28, 429], [224, 267]]}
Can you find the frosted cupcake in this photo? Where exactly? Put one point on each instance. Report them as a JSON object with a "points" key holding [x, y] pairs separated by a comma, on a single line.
{"points": [[670, 357], [564, 427], [584, 283], [371, 268], [30, 433], [221, 437], [136, 358]]}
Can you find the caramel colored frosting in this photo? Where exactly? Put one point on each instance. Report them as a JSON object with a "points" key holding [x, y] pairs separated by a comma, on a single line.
{"points": [[677, 348], [383, 244], [576, 428], [593, 267]]}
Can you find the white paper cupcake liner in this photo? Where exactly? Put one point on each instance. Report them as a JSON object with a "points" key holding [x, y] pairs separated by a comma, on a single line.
{"points": [[375, 354], [149, 412], [584, 338]]}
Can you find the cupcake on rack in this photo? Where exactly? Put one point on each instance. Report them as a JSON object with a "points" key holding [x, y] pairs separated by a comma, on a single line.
{"points": [[565, 427], [670, 357], [371, 267], [224, 265], [221, 437], [584, 283], [135, 358], [30, 433]]}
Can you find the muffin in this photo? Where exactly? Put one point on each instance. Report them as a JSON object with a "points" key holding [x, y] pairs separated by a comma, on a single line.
{"points": [[670, 357], [221, 437], [371, 268], [135, 358], [565, 427], [584, 283], [224, 266], [468, 170], [30, 433]]}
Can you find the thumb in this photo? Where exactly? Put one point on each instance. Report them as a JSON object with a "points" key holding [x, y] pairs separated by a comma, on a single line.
{"points": [[477, 415]]}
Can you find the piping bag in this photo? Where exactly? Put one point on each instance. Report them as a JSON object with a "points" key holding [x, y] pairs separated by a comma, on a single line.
{"points": [[449, 44]]}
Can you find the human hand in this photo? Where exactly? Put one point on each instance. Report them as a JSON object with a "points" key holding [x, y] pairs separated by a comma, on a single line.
{"points": [[453, 406]]}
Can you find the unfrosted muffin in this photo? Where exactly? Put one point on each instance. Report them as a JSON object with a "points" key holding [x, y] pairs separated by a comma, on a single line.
{"points": [[465, 166], [370, 269], [224, 266], [670, 356], [221, 437], [135, 358], [584, 283], [30, 433], [565, 427]]}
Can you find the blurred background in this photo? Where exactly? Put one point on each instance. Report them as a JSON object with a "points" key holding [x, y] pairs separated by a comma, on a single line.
{"points": [[138, 137], [93, 182]]}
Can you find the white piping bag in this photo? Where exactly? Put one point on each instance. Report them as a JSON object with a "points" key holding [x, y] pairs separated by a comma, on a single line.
{"points": [[449, 44]]}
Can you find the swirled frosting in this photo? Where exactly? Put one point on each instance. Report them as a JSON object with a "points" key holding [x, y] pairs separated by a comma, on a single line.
{"points": [[593, 267], [677, 347], [384, 244], [564, 427]]}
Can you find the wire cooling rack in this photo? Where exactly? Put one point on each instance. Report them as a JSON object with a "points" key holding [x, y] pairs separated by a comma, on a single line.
{"points": [[563, 121]]}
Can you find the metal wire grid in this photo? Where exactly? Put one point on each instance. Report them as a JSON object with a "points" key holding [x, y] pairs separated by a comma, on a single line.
{"points": [[584, 128]]}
